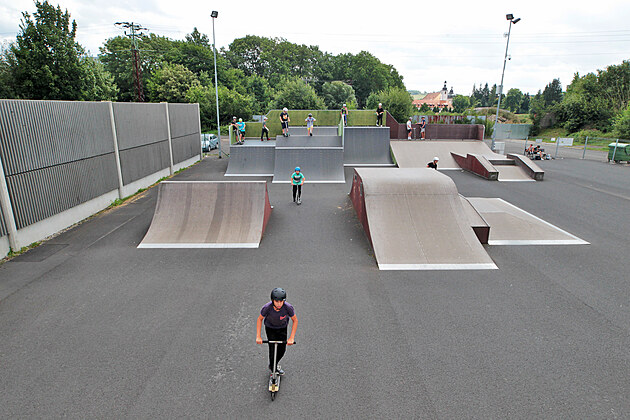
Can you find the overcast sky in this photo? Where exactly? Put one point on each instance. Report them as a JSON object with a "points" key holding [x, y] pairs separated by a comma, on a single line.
{"points": [[461, 42]]}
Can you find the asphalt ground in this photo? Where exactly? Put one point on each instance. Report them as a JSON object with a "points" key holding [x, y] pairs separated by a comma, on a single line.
{"points": [[92, 327]]}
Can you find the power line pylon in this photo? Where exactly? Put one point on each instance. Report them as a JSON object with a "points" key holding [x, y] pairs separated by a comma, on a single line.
{"points": [[135, 32]]}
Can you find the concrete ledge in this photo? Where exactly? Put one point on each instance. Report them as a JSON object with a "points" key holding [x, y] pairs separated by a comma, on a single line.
{"points": [[528, 166], [476, 164]]}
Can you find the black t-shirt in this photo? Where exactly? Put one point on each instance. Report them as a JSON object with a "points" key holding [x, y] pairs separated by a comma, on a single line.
{"points": [[432, 165], [284, 116], [380, 110]]}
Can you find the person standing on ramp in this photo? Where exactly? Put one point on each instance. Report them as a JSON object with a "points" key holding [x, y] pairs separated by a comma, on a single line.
{"points": [[344, 115], [265, 130], [284, 121], [309, 124], [276, 315], [297, 180], [379, 115]]}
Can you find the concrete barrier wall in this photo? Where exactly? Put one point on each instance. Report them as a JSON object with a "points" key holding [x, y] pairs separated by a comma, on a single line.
{"points": [[62, 161], [435, 131]]}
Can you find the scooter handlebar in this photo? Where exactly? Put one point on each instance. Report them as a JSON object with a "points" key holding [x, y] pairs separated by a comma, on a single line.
{"points": [[277, 342]]}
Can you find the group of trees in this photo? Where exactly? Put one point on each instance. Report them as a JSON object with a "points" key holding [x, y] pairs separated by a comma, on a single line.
{"points": [[45, 61], [254, 73]]}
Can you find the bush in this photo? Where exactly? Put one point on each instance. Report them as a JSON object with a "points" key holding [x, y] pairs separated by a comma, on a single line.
{"points": [[622, 124]]}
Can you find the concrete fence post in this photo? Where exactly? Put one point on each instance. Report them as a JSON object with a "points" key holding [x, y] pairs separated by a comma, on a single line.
{"points": [[585, 143], [7, 210], [170, 140], [615, 151], [201, 135], [116, 150]]}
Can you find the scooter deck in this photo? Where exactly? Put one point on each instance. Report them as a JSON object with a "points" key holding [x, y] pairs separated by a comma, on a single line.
{"points": [[274, 386]]}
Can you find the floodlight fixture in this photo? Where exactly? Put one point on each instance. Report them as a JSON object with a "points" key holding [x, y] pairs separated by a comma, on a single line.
{"points": [[509, 16], [516, 20], [214, 14]]}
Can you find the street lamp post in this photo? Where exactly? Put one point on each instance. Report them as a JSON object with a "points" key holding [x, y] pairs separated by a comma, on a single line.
{"points": [[509, 17], [214, 15]]}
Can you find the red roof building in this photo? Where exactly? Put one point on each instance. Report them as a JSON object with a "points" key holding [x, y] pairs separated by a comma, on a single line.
{"points": [[441, 99]]}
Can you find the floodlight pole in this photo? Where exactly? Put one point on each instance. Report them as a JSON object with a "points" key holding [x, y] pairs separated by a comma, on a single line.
{"points": [[500, 89], [216, 84]]}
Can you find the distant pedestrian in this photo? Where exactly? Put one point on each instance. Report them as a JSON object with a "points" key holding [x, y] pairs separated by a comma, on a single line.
{"points": [[265, 130], [409, 129], [241, 130], [379, 115], [297, 180], [284, 121], [309, 124], [423, 125], [434, 163], [344, 114]]}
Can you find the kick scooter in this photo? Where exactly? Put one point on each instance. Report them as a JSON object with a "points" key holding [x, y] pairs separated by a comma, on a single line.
{"points": [[274, 378]]}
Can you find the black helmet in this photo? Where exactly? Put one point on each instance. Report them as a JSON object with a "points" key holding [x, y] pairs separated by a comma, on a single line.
{"points": [[278, 294]]}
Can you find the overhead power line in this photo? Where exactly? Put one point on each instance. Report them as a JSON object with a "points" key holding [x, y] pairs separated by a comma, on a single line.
{"points": [[135, 32]]}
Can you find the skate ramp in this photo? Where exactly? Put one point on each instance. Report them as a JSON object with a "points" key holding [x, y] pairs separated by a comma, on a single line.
{"points": [[317, 131], [417, 153], [309, 141], [318, 164], [254, 158], [415, 220], [510, 225], [512, 173], [209, 214], [367, 146]]}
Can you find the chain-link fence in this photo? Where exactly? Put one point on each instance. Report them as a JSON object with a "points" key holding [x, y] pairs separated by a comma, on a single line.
{"points": [[592, 148]]}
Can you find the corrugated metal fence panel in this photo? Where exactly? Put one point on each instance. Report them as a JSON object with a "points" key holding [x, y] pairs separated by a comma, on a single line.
{"points": [[40, 134], [512, 131], [37, 195], [139, 124], [142, 139], [185, 135], [138, 162], [3, 227], [56, 155]]}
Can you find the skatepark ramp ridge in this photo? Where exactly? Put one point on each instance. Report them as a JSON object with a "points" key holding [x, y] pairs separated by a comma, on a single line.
{"points": [[415, 220]]}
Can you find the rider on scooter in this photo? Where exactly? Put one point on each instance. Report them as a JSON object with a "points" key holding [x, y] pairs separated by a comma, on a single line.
{"points": [[276, 316]]}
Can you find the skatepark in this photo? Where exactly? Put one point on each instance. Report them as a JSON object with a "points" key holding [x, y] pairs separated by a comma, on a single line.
{"points": [[94, 325]]}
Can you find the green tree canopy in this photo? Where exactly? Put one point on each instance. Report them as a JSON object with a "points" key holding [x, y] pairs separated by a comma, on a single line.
{"points": [[295, 94], [513, 100], [170, 83], [337, 93], [395, 100], [230, 104], [460, 103], [45, 61]]}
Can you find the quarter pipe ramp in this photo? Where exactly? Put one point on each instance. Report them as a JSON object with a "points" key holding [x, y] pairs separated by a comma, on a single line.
{"points": [[209, 214]]}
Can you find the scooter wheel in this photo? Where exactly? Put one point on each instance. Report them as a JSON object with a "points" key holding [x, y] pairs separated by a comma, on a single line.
{"points": [[273, 396]]}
